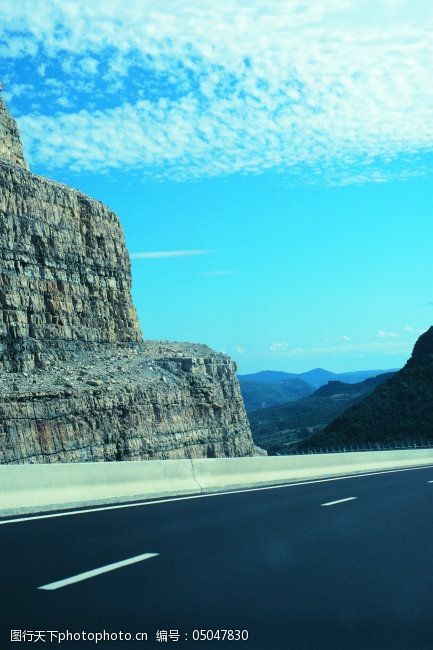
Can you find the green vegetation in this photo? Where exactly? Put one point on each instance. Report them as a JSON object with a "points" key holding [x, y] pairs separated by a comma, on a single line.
{"points": [[277, 428], [259, 395], [400, 409]]}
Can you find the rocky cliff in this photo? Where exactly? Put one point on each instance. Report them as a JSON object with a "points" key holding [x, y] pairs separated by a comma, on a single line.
{"points": [[10, 144], [77, 382]]}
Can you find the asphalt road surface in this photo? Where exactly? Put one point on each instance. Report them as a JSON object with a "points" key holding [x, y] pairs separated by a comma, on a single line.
{"points": [[277, 564]]}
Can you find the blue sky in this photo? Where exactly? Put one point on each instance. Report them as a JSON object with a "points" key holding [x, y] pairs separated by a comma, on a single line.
{"points": [[271, 163]]}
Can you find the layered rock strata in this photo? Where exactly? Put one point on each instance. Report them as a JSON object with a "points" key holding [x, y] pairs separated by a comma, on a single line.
{"points": [[10, 143], [77, 382]]}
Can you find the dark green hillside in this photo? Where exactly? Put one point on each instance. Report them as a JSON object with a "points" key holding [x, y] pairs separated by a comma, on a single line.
{"points": [[259, 395], [402, 408], [276, 427]]}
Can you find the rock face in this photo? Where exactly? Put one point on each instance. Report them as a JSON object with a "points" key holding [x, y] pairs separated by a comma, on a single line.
{"points": [[65, 273], [399, 409], [10, 144], [77, 382]]}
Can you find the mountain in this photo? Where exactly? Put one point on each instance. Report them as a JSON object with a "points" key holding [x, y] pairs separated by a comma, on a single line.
{"points": [[276, 428], [261, 394], [77, 381], [401, 408], [268, 376], [360, 375], [316, 377]]}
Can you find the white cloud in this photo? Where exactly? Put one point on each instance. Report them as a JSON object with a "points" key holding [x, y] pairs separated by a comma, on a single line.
{"points": [[18, 90], [156, 255], [387, 335], [278, 347], [345, 338], [413, 330], [89, 65], [64, 102], [384, 347], [331, 89], [239, 349]]}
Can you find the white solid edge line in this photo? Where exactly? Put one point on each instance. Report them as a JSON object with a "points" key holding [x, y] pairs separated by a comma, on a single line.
{"points": [[95, 572], [119, 506], [333, 503]]}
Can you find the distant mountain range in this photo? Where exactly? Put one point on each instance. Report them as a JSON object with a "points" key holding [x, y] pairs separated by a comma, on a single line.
{"points": [[399, 409], [272, 387], [316, 377], [278, 427], [261, 394]]}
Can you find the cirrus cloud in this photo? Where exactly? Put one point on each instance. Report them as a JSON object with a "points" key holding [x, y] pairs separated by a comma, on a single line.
{"points": [[157, 255], [384, 347], [387, 335]]}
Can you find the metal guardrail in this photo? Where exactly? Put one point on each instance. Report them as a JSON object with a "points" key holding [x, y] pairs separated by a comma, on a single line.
{"points": [[368, 446]]}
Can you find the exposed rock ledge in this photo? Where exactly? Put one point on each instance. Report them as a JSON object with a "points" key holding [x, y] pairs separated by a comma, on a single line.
{"points": [[77, 382], [150, 400]]}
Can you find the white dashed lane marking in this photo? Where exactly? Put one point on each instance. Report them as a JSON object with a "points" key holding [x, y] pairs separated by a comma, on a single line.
{"points": [[334, 503], [95, 572]]}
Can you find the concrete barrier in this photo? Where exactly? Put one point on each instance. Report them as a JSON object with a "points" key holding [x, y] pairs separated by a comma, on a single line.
{"points": [[39, 488], [233, 473], [33, 488]]}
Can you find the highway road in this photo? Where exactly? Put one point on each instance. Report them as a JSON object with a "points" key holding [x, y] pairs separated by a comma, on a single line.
{"points": [[327, 564]]}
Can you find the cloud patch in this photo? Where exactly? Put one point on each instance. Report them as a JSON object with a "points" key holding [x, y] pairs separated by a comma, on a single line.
{"points": [[281, 346], [387, 335], [383, 347], [157, 255], [336, 91]]}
